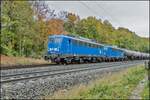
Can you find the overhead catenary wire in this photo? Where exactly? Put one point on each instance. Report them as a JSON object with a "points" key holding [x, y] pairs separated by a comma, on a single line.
{"points": [[99, 14], [104, 10], [108, 13], [90, 9]]}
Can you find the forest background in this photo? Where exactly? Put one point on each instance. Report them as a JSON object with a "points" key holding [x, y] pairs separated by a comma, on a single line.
{"points": [[26, 25]]}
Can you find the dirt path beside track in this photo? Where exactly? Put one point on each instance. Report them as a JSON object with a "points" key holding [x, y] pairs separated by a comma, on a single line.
{"points": [[136, 94]]}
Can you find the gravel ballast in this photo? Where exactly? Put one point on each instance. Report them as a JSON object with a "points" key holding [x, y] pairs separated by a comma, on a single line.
{"points": [[35, 89]]}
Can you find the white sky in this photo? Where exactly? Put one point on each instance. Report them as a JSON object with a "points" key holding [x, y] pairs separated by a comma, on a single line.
{"points": [[133, 15]]}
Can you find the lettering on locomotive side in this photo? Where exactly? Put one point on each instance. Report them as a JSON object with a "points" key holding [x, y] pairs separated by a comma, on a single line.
{"points": [[53, 49]]}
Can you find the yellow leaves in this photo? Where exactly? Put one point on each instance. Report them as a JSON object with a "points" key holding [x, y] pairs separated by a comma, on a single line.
{"points": [[55, 26], [72, 18]]}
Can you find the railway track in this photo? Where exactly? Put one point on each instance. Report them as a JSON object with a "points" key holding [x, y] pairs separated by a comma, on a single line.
{"points": [[12, 78], [12, 72], [50, 69]]}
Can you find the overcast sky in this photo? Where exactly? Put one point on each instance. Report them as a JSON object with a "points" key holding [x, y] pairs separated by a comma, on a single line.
{"points": [[133, 15]]}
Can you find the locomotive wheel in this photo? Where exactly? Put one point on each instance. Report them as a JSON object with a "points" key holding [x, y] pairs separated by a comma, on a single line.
{"points": [[80, 61]]}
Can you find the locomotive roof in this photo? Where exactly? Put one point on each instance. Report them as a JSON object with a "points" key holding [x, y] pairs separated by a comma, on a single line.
{"points": [[86, 40], [78, 38], [89, 41]]}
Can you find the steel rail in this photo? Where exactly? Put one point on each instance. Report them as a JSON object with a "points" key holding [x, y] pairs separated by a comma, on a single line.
{"points": [[47, 71]]}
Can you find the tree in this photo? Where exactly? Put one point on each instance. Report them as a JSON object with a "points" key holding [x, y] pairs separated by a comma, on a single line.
{"points": [[72, 20], [55, 26], [104, 32], [16, 25]]}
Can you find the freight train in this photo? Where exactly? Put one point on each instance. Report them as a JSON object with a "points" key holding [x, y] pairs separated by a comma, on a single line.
{"points": [[65, 49]]}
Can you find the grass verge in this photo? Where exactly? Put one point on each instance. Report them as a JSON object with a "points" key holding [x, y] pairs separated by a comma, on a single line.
{"points": [[118, 85], [145, 92], [10, 61]]}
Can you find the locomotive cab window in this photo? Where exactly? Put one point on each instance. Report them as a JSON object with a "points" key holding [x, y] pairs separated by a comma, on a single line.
{"points": [[51, 40], [55, 40], [58, 40]]}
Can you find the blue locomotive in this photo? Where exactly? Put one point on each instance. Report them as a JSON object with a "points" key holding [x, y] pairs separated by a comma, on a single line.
{"points": [[71, 49]]}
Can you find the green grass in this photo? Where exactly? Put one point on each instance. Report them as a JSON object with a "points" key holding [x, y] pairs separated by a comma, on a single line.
{"points": [[120, 89], [118, 85], [145, 92]]}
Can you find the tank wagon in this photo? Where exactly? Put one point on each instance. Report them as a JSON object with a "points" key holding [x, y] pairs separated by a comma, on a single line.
{"points": [[134, 55], [71, 49]]}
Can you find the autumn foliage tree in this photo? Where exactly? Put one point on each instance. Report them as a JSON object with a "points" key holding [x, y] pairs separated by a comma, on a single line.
{"points": [[55, 26], [26, 25], [24, 29], [104, 32], [58, 25], [72, 20]]}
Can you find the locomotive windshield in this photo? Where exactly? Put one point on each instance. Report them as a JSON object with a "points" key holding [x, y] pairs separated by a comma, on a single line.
{"points": [[55, 40]]}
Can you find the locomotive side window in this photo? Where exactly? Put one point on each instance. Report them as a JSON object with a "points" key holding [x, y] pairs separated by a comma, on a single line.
{"points": [[74, 42], [100, 46], [80, 43], [90, 45], [93, 45], [83, 43], [113, 49], [86, 44], [96, 46], [69, 41]]}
